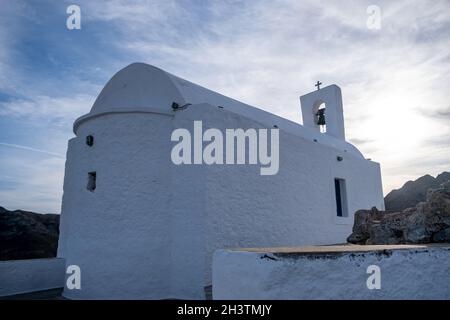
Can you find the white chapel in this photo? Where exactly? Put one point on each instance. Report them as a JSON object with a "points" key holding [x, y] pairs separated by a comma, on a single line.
{"points": [[140, 226]]}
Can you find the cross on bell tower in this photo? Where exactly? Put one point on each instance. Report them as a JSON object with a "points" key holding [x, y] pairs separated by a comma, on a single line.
{"points": [[318, 85]]}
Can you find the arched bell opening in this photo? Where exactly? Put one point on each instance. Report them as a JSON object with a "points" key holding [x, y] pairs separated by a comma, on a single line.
{"points": [[319, 112]]}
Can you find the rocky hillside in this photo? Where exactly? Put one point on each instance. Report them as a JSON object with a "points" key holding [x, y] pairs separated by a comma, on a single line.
{"points": [[28, 235], [427, 222], [413, 192]]}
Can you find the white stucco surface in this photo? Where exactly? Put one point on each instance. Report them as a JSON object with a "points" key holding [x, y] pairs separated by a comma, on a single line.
{"points": [[150, 228], [406, 272], [23, 276]]}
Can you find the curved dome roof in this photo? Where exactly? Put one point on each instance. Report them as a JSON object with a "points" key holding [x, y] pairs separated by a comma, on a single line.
{"points": [[141, 87], [138, 86]]}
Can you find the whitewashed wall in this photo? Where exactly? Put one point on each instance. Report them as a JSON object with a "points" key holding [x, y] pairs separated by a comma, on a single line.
{"points": [[421, 273], [150, 228], [119, 235], [23, 276], [244, 209]]}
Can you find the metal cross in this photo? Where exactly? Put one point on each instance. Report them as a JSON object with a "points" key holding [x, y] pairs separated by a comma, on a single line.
{"points": [[318, 85]]}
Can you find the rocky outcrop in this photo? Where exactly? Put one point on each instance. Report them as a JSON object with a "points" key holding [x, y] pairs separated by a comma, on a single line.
{"points": [[413, 192], [427, 222], [28, 235]]}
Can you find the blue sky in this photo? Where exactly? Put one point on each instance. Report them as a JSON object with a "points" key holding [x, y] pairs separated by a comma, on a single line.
{"points": [[394, 80]]}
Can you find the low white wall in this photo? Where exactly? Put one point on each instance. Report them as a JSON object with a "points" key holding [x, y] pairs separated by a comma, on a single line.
{"points": [[417, 273], [22, 276]]}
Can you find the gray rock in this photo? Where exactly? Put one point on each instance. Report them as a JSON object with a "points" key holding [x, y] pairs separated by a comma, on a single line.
{"points": [[427, 222], [442, 236]]}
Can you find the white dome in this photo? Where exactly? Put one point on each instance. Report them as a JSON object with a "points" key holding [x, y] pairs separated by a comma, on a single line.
{"points": [[139, 86]]}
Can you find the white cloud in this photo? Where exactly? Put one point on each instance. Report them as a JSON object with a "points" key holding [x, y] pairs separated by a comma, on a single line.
{"points": [[16, 146], [267, 53], [42, 110], [30, 181]]}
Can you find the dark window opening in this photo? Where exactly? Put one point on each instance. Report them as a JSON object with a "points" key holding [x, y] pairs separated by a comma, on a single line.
{"points": [[92, 181], [90, 140], [341, 197]]}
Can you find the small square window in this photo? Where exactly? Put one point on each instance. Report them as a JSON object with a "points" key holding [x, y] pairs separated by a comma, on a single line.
{"points": [[92, 181]]}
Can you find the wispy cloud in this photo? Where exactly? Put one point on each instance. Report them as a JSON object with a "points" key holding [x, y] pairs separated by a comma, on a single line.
{"points": [[265, 53], [36, 185], [45, 110], [268, 53], [9, 145]]}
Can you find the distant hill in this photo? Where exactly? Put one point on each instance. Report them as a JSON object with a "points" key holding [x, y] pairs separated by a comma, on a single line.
{"points": [[413, 192], [28, 235]]}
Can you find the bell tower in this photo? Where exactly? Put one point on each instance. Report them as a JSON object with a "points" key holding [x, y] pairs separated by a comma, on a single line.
{"points": [[322, 110]]}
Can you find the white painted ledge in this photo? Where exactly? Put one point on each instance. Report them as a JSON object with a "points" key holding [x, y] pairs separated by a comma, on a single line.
{"points": [[23, 276], [332, 272]]}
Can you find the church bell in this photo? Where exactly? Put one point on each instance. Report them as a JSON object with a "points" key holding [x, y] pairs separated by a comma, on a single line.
{"points": [[321, 117]]}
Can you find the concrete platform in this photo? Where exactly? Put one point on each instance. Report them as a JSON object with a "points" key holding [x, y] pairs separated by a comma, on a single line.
{"points": [[333, 272], [342, 248]]}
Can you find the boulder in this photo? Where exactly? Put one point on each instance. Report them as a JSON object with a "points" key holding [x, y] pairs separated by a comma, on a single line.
{"points": [[427, 222]]}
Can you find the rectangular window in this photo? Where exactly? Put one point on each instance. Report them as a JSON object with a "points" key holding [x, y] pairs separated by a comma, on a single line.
{"points": [[341, 197], [92, 181]]}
